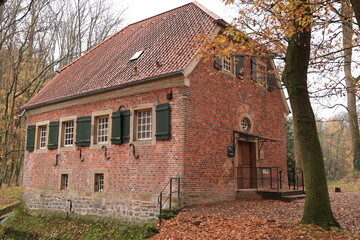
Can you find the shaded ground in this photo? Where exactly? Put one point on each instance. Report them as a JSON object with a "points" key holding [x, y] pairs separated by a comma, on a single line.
{"points": [[261, 220], [34, 225]]}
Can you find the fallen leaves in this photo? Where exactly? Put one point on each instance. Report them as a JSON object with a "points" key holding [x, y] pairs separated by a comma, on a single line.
{"points": [[260, 219]]}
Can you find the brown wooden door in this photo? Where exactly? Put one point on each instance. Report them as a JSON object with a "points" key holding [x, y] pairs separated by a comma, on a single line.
{"points": [[247, 165]]}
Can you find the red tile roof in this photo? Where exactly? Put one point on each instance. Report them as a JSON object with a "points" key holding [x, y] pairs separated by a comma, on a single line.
{"points": [[167, 38]]}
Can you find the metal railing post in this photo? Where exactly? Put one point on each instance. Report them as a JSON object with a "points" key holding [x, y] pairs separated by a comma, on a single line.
{"points": [[179, 192], [280, 179], [160, 203], [170, 193]]}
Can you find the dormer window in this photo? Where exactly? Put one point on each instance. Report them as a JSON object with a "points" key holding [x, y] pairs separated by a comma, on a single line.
{"points": [[136, 55]]}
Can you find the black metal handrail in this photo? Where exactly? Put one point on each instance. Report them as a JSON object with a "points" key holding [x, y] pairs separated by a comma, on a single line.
{"points": [[162, 201], [260, 177], [296, 179]]}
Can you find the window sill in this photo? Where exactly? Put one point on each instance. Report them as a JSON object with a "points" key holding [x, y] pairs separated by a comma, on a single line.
{"points": [[68, 148], [144, 142], [42, 150], [231, 74], [100, 145]]}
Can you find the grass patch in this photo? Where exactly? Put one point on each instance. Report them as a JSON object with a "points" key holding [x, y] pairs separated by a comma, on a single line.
{"points": [[350, 183], [27, 225], [167, 213], [9, 205]]}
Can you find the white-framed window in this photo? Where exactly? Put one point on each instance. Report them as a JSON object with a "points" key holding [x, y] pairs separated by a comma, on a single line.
{"points": [[101, 125], [68, 133], [227, 63], [64, 185], [99, 182], [143, 124], [102, 129], [42, 136]]}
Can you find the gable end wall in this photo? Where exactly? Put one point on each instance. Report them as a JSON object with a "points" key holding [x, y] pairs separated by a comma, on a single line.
{"points": [[217, 100]]}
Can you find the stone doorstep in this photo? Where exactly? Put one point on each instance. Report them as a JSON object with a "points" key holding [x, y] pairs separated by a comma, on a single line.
{"points": [[254, 194]]}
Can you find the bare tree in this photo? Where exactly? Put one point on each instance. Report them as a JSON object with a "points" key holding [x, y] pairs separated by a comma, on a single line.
{"points": [[35, 38], [350, 81]]}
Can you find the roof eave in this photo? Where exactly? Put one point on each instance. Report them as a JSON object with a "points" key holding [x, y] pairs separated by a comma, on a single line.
{"points": [[166, 75]]}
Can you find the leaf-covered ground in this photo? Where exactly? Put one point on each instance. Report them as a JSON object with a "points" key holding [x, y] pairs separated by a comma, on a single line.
{"points": [[261, 219], [224, 220], [9, 195]]}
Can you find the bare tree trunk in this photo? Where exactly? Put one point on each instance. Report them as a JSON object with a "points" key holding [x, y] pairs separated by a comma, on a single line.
{"points": [[317, 209], [298, 160], [356, 7], [350, 83]]}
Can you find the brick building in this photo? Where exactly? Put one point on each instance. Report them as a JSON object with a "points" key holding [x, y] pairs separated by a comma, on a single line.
{"points": [[111, 129]]}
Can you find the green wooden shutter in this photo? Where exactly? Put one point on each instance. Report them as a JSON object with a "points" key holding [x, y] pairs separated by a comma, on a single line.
{"points": [[271, 84], [116, 128], [30, 138], [83, 131], [125, 126], [53, 135], [239, 67], [218, 63], [253, 69], [163, 121]]}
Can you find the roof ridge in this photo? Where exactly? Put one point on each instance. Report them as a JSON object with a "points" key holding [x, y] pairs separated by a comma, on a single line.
{"points": [[201, 7], [206, 10], [105, 65]]}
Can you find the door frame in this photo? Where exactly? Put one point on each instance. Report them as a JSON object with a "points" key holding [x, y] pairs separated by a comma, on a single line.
{"points": [[255, 161]]}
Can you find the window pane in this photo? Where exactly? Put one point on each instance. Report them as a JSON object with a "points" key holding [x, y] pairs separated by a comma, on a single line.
{"points": [[102, 129], [69, 134], [42, 136], [144, 121]]}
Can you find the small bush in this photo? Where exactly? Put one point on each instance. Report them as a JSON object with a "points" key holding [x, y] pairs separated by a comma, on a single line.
{"points": [[167, 213]]}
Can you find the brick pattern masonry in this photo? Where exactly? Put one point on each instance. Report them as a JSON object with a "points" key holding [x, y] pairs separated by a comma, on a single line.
{"points": [[203, 117]]}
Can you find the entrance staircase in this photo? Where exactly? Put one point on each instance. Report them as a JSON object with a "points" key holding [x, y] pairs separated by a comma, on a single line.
{"points": [[268, 183], [286, 196]]}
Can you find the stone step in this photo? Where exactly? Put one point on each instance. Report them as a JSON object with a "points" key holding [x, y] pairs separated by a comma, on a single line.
{"points": [[293, 198], [292, 192]]}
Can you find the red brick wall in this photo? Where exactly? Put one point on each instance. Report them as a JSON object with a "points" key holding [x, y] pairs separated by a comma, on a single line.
{"points": [[203, 117], [125, 174], [216, 101]]}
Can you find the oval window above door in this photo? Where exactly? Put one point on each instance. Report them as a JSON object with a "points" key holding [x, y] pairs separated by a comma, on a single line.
{"points": [[245, 124]]}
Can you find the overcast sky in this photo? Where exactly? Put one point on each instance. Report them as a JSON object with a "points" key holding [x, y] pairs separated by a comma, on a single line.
{"points": [[141, 9]]}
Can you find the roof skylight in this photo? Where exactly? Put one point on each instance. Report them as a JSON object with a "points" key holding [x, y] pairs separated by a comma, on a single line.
{"points": [[136, 55]]}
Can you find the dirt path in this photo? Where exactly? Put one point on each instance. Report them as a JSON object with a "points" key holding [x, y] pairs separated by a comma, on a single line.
{"points": [[263, 219]]}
